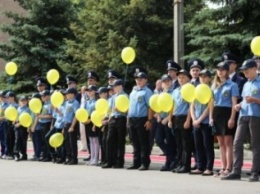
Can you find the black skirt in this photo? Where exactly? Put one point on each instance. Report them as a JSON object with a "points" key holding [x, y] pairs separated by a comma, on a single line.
{"points": [[91, 133], [221, 115]]}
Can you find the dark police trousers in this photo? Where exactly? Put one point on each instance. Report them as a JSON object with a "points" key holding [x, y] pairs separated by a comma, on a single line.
{"points": [[141, 141], [246, 123], [3, 130], [20, 145], [116, 140], [183, 139], [70, 143], [166, 141], [45, 128], [204, 146], [103, 142], [54, 153], [10, 138]]}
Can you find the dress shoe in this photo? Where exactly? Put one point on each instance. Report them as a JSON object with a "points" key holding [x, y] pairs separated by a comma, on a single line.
{"points": [[66, 162], [183, 170], [133, 167], [54, 160], [118, 166], [176, 169], [165, 168], [107, 165], [196, 172], [46, 160], [87, 159], [143, 168], [60, 161], [73, 162], [231, 176], [194, 167], [254, 178], [34, 159]]}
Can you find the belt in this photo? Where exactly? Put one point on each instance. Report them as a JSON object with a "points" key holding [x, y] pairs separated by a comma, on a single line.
{"points": [[118, 117], [180, 116]]}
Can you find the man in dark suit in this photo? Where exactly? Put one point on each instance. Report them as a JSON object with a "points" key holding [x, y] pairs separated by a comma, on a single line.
{"points": [[172, 70]]}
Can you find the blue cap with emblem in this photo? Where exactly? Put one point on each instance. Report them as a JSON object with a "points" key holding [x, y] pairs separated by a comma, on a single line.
{"points": [[70, 79], [166, 77], [141, 75], [223, 65], [102, 90], [250, 63], [205, 72], [45, 93], [196, 63], [41, 81], [93, 75], [92, 88], [118, 82], [184, 72], [171, 65], [36, 95], [10, 94]]}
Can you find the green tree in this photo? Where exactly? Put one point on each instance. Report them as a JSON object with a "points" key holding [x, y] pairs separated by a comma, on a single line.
{"points": [[105, 27], [231, 25], [37, 38]]}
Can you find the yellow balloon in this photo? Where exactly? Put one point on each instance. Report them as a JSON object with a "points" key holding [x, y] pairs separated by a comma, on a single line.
{"points": [[102, 106], [53, 76], [203, 93], [255, 45], [165, 102], [11, 113], [122, 103], [97, 118], [57, 99], [188, 92], [25, 119], [35, 105], [11, 68], [128, 55], [82, 115], [153, 102], [56, 140]]}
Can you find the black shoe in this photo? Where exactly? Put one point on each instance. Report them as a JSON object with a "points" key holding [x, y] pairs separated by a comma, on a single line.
{"points": [[66, 162], [54, 160], [253, 178], [107, 165], [143, 168], [133, 167], [231, 176], [34, 159], [183, 170], [46, 160], [73, 162], [118, 166], [194, 167], [176, 169], [196, 172], [60, 161], [165, 168], [87, 159], [24, 158]]}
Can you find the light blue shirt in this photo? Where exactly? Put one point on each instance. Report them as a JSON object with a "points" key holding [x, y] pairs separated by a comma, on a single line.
{"points": [[59, 122], [46, 110], [90, 105], [223, 95], [181, 107], [23, 109], [251, 88], [139, 102], [112, 105], [71, 107], [198, 111], [15, 105]]}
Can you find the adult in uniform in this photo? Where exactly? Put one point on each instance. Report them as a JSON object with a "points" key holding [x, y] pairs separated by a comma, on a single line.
{"points": [[72, 83], [41, 84], [140, 116], [3, 124], [116, 131], [172, 70], [249, 119], [70, 131]]}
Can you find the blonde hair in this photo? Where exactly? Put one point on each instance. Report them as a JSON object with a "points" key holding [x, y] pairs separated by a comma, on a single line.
{"points": [[217, 81]]}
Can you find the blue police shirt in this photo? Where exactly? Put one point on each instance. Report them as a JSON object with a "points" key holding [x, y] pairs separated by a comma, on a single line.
{"points": [[181, 107], [23, 109], [139, 102], [46, 110], [71, 106], [164, 114], [223, 94], [198, 111], [3, 106], [251, 88], [59, 122], [15, 105], [90, 105], [112, 105]]}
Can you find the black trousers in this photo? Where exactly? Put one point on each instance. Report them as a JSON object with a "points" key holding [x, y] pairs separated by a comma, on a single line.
{"points": [[116, 141], [20, 145], [70, 143], [184, 140], [45, 128], [141, 141], [204, 145], [103, 143], [54, 152], [10, 138], [167, 143]]}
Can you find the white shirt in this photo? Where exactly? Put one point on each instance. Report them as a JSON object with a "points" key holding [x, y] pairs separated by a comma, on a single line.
{"points": [[232, 75]]}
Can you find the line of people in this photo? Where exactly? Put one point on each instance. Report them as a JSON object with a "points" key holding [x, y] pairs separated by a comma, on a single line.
{"points": [[185, 131]]}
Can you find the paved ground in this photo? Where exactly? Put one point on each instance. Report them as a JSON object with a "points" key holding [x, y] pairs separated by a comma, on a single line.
{"points": [[38, 177]]}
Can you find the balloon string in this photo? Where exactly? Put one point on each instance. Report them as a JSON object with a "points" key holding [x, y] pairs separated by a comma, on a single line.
{"points": [[126, 73]]}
